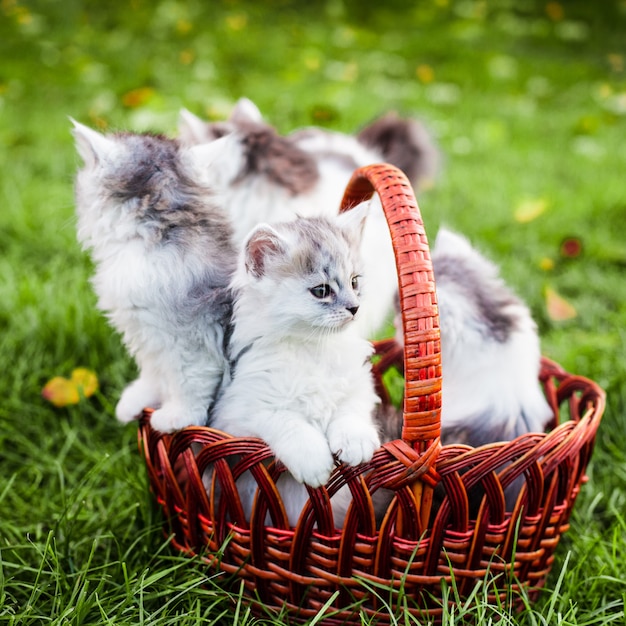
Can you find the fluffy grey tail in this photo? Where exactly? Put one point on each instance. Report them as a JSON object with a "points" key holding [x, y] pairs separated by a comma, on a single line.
{"points": [[407, 144]]}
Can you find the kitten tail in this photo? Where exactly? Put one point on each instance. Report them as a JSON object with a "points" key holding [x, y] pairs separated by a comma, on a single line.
{"points": [[407, 144]]}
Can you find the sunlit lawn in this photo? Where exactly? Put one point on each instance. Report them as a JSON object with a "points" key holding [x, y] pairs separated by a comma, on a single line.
{"points": [[528, 102]]}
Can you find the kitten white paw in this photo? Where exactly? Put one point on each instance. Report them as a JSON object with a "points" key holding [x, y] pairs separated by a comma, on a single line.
{"points": [[353, 444], [134, 399], [311, 462], [173, 416]]}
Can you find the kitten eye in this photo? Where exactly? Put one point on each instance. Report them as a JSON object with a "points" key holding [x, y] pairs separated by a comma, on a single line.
{"points": [[321, 291], [355, 282]]}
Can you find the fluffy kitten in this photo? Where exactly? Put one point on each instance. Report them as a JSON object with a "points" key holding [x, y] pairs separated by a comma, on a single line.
{"points": [[301, 377], [265, 177], [489, 349], [490, 354], [163, 260]]}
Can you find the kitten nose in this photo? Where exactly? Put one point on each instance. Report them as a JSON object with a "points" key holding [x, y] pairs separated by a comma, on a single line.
{"points": [[353, 309]]}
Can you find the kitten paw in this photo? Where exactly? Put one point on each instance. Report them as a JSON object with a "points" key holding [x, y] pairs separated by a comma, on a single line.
{"points": [[172, 416], [134, 399], [354, 445], [310, 463]]}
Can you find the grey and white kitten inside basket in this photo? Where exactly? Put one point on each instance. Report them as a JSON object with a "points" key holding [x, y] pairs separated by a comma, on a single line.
{"points": [[266, 177], [490, 363], [163, 260], [490, 351], [301, 376]]}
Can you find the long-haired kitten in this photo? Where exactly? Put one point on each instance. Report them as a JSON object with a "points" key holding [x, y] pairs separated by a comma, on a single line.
{"points": [[490, 349], [163, 260], [266, 177], [490, 354], [301, 376]]}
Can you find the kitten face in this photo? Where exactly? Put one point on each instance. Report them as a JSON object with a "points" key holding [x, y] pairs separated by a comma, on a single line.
{"points": [[308, 271]]}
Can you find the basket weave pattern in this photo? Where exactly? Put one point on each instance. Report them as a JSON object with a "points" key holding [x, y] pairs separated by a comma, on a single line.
{"points": [[429, 531]]}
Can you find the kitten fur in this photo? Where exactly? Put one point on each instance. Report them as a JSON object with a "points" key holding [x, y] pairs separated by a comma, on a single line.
{"points": [[163, 260], [490, 349], [490, 354], [301, 376], [405, 143], [265, 177]]}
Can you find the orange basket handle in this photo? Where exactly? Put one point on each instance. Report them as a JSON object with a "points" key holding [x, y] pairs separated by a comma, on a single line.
{"points": [[418, 299]]}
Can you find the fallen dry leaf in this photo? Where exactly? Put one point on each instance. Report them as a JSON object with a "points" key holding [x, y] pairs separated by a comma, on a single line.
{"points": [[555, 11], [60, 391], [571, 247], [530, 209], [85, 381], [425, 73], [559, 309], [546, 264], [137, 97]]}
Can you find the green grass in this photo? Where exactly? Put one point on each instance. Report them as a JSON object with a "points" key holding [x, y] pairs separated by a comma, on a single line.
{"points": [[528, 101]]}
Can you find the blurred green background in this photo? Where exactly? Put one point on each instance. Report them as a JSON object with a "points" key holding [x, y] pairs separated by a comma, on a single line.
{"points": [[527, 100]]}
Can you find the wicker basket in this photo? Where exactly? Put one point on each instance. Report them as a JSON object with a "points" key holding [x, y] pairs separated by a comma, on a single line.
{"points": [[417, 544]]}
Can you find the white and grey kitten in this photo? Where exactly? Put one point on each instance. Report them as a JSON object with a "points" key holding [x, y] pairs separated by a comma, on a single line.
{"points": [[266, 177], [490, 354], [163, 261], [490, 349], [301, 377]]}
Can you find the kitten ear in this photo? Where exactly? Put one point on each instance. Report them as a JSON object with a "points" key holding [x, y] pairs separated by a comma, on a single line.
{"points": [[449, 242], [245, 112], [352, 221], [263, 242], [91, 145], [218, 161], [191, 129]]}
